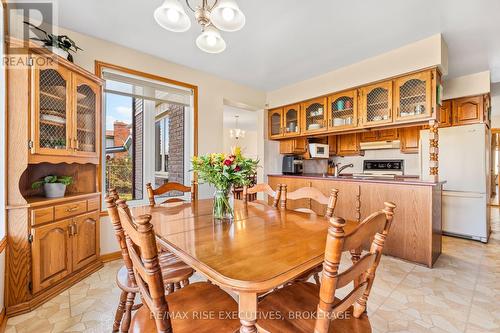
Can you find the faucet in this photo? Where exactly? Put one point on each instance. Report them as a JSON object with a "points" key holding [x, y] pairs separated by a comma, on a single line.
{"points": [[339, 169]]}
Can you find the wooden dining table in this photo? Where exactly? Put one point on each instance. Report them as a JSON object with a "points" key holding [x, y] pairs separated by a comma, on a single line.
{"points": [[261, 249]]}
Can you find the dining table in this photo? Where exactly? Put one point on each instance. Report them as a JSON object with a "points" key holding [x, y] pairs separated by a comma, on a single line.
{"points": [[261, 249]]}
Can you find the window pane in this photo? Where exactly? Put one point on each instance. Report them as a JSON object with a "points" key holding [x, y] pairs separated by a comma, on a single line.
{"points": [[123, 120]]}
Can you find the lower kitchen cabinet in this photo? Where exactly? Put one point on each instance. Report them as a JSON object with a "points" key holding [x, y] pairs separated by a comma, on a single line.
{"points": [[51, 254]]}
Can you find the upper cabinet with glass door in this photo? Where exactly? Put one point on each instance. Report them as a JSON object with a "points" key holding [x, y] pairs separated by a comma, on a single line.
{"points": [[376, 104], [291, 120], [51, 110], [275, 123], [343, 110], [413, 96], [314, 116], [86, 127], [65, 114]]}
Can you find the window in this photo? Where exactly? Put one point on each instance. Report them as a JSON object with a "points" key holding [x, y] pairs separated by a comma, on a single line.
{"points": [[147, 135]]}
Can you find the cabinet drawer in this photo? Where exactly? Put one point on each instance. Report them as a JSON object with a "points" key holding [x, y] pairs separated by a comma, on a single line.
{"points": [[70, 209], [42, 215], [92, 204]]}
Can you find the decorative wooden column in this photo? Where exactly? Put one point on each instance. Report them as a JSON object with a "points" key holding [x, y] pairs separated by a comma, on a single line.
{"points": [[434, 150]]}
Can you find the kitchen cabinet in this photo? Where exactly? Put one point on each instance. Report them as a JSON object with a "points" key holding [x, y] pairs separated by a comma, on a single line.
{"points": [[291, 120], [410, 138], [413, 96], [445, 114], [376, 104], [314, 116], [343, 110], [467, 110], [65, 120], [275, 117], [390, 134], [349, 144], [295, 146]]}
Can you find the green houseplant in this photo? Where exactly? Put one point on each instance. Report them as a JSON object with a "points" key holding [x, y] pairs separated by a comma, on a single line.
{"points": [[53, 186], [59, 44], [223, 172]]}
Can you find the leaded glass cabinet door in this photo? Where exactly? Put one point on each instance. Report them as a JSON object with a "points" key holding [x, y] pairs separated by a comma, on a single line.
{"points": [[314, 115], [86, 102], [51, 110], [291, 120], [275, 123], [412, 96], [377, 104], [343, 110]]}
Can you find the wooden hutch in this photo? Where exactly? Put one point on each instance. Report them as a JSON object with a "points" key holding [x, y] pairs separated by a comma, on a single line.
{"points": [[53, 125]]}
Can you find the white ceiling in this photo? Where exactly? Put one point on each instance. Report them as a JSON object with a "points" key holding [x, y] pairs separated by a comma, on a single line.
{"points": [[285, 41]]}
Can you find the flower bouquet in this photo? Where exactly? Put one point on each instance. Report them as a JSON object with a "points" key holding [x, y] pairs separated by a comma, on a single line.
{"points": [[223, 172]]}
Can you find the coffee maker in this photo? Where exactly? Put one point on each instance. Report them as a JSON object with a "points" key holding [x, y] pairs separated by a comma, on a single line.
{"points": [[292, 165]]}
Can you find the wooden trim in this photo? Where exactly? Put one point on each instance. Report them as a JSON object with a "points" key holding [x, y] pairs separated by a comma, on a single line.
{"points": [[495, 130], [3, 244], [110, 256], [3, 320]]}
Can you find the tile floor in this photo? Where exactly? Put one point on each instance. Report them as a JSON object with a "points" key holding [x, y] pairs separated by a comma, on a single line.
{"points": [[461, 294]]}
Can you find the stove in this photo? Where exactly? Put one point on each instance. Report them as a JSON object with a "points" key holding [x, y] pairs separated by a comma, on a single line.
{"points": [[388, 169]]}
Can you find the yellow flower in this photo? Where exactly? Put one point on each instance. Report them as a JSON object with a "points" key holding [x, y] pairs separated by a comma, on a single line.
{"points": [[236, 151]]}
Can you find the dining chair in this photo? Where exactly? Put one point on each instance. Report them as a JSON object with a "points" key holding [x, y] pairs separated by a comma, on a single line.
{"points": [[310, 193], [316, 195], [327, 313], [262, 188], [171, 187], [198, 307], [176, 273]]}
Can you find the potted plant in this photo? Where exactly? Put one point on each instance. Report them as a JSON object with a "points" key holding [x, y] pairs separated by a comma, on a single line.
{"points": [[223, 172], [53, 186], [61, 45]]}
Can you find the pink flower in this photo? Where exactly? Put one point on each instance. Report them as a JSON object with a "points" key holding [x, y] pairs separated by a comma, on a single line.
{"points": [[237, 168], [228, 162]]}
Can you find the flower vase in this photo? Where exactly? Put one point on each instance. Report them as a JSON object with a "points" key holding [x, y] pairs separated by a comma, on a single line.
{"points": [[223, 205]]}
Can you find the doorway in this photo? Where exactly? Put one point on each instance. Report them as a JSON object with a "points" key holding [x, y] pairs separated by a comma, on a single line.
{"points": [[495, 160]]}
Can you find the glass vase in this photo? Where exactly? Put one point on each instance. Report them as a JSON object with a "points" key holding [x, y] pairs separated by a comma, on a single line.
{"points": [[223, 205]]}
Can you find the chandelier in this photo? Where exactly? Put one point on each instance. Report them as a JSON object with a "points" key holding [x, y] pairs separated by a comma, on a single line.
{"points": [[218, 15], [236, 133]]}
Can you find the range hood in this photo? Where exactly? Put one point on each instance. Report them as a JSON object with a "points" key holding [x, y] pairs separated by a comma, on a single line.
{"points": [[380, 145]]}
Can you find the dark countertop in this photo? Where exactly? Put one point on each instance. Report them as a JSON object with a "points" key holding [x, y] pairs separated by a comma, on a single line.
{"points": [[405, 180]]}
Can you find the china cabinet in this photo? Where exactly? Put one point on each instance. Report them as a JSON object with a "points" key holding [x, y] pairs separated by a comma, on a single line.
{"points": [[343, 110], [53, 116], [376, 104], [314, 116]]}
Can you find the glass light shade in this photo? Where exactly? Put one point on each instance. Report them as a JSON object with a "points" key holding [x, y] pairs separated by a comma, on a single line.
{"points": [[227, 16], [211, 41], [171, 16], [237, 133]]}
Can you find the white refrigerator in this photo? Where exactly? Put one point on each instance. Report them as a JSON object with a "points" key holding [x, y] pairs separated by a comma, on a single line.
{"points": [[464, 166]]}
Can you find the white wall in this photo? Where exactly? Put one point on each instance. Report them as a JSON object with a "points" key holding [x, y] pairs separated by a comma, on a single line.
{"points": [[467, 85]]}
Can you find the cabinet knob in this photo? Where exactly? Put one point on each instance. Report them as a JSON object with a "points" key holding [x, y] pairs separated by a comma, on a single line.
{"points": [[72, 209]]}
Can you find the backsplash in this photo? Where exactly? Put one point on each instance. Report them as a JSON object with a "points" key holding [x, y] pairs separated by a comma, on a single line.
{"points": [[411, 161]]}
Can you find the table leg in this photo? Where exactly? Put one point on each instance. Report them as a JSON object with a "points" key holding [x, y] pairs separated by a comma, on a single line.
{"points": [[247, 312]]}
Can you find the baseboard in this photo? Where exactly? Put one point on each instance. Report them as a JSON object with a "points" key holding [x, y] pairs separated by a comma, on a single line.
{"points": [[3, 321], [111, 256]]}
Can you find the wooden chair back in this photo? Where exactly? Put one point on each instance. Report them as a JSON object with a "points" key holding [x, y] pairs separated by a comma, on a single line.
{"points": [[141, 244], [313, 194], [119, 233], [170, 187], [362, 271], [263, 188]]}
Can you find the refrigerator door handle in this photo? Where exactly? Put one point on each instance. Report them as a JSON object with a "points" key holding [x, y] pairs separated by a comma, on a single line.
{"points": [[461, 194]]}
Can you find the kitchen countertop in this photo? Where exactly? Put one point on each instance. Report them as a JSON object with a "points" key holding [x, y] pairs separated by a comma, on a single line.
{"points": [[405, 180]]}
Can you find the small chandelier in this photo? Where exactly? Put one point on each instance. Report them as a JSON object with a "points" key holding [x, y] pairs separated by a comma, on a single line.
{"points": [[236, 133], [222, 15]]}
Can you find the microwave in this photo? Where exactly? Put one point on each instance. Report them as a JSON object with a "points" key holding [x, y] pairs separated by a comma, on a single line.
{"points": [[318, 150]]}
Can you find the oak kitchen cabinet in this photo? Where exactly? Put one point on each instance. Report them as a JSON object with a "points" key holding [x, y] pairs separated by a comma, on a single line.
{"points": [[468, 110], [349, 144], [380, 135], [293, 146], [413, 96], [65, 120], [291, 120], [314, 116], [445, 114], [275, 121], [410, 138], [343, 110], [376, 104]]}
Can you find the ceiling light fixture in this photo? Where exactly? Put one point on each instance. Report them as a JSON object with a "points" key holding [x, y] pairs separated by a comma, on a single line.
{"points": [[222, 15], [236, 133]]}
